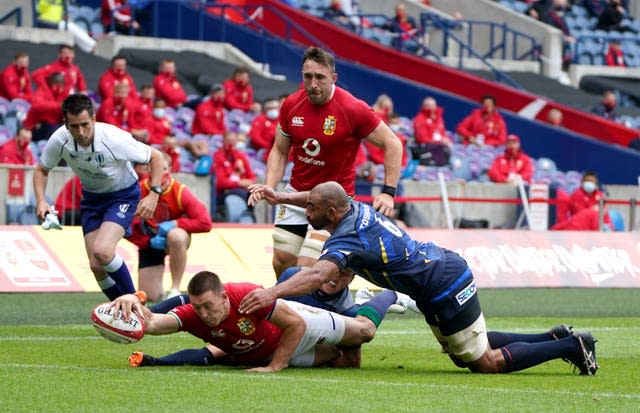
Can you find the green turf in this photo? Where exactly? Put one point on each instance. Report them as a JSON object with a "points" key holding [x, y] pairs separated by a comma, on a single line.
{"points": [[52, 360]]}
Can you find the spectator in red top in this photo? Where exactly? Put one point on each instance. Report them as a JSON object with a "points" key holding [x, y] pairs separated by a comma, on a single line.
{"points": [[178, 215], [45, 113], [233, 176], [120, 11], [263, 127], [238, 92], [554, 117], [117, 109], [73, 78], [209, 117], [159, 125], [512, 165], [68, 202], [143, 111], [15, 80], [404, 25], [580, 212], [115, 75], [615, 55], [16, 150], [428, 125], [484, 126], [382, 107], [167, 86]]}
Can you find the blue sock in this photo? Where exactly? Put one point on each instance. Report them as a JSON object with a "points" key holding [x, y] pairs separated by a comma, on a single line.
{"points": [[189, 357], [520, 356], [110, 288], [376, 308], [118, 270], [169, 304], [499, 339]]}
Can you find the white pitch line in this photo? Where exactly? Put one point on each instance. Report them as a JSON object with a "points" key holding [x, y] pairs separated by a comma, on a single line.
{"points": [[324, 381], [47, 338]]}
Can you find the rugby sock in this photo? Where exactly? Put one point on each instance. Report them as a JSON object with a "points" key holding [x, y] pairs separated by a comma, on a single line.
{"points": [[118, 270], [110, 288], [189, 357], [519, 356], [169, 304], [376, 308], [498, 339]]}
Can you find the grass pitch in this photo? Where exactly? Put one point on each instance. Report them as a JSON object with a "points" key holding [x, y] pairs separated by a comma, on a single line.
{"points": [[53, 360]]}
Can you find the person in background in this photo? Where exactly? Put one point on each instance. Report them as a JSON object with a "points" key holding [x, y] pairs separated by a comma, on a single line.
{"points": [[263, 128], [615, 55], [50, 15], [15, 80], [16, 150], [238, 92], [612, 17], [68, 202], [513, 165], [168, 232], [432, 144], [607, 106], [484, 126], [118, 109], [581, 211], [382, 107], [336, 15], [166, 85], [233, 176], [74, 81], [117, 13], [554, 117], [209, 116], [45, 115], [114, 75]]}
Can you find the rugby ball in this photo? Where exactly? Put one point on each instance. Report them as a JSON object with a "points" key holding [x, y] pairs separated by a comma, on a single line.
{"points": [[113, 327]]}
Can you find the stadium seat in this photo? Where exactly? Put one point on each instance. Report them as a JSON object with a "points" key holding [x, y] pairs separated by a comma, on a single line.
{"points": [[5, 134], [460, 167], [20, 107], [4, 106], [546, 164]]}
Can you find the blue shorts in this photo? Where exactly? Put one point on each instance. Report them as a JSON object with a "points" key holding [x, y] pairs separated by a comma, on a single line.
{"points": [[119, 207]]}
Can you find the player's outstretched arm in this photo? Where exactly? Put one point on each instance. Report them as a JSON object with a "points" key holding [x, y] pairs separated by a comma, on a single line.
{"points": [[293, 328], [265, 192], [155, 324]]}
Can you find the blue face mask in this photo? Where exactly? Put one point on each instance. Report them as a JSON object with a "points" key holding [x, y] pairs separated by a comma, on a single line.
{"points": [[589, 186], [272, 114], [158, 112]]}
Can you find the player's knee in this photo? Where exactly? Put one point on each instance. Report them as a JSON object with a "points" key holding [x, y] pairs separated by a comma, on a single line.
{"points": [[487, 364], [177, 237], [101, 256]]}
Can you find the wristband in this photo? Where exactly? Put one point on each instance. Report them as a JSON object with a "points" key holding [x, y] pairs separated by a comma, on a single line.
{"points": [[142, 296], [389, 190]]}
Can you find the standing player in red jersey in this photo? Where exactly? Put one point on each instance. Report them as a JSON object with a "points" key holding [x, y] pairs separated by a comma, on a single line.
{"points": [[323, 125]]}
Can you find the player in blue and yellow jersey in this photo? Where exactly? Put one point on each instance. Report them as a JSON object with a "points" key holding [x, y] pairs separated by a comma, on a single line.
{"points": [[439, 280]]}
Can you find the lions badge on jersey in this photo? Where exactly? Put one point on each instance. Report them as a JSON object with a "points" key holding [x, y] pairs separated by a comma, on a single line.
{"points": [[246, 326], [282, 211], [329, 127]]}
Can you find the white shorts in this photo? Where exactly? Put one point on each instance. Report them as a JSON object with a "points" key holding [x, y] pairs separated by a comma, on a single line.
{"points": [[323, 327], [468, 344], [290, 214]]}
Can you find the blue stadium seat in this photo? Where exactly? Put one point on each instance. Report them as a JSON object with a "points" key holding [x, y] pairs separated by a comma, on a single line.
{"points": [[20, 107], [546, 164], [460, 167], [5, 134]]}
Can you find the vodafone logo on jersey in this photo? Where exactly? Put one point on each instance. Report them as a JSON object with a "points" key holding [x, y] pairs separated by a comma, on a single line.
{"points": [[297, 121], [311, 146]]}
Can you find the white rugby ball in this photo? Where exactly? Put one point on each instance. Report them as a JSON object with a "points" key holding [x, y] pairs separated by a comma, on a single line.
{"points": [[114, 328]]}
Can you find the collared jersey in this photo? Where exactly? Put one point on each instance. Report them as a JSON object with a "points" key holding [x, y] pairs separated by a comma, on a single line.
{"points": [[105, 165], [325, 138]]}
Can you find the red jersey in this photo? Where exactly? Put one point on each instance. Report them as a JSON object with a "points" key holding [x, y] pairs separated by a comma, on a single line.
{"points": [[121, 13], [45, 107], [230, 166], [615, 57], [158, 129], [209, 118], [69, 196], [263, 133], [73, 78], [15, 83], [11, 153], [428, 126], [118, 113], [325, 138], [237, 96], [506, 164], [141, 114], [580, 200], [491, 125], [110, 79], [248, 338], [169, 89]]}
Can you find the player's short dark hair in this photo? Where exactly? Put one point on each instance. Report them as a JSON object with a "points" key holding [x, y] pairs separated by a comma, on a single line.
{"points": [[204, 281], [320, 56], [75, 104]]}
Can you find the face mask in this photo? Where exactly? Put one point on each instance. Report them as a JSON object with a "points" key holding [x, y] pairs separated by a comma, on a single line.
{"points": [[57, 89], [244, 128], [20, 69], [241, 145], [395, 128], [118, 100], [66, 61], [158, 112], [272, 113], [589, 186], [23, 144]]}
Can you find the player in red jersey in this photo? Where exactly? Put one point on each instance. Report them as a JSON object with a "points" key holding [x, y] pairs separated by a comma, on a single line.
{"points": [[283, 334], [323, 126]]}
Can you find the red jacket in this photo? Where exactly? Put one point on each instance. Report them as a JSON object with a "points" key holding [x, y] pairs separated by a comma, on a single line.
{"points": [[491, 125], [158, 128], [14, 84], [506, 164], [121, 15], [176, 203], [73, 78], [110, 79], [141, 115], [428, 127], [263, 133], [119, 114], [209, 119], [230, 166], [169, 89], [615, 57], [69, 196], [237, 96], [45, 107], [578, 213], [12, 154]]}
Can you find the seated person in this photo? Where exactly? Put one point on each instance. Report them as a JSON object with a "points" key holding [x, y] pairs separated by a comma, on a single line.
{"points": [[512, 165], [580, 212], [484, 126], [166, 85], [116, 16], [432, 145], [336, 15], [45, 113], [116, 74], [15, 80], [68, 202], [238, 92], [74, 81], [263, 128]]}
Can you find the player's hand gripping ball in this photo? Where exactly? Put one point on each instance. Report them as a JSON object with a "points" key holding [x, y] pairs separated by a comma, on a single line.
{"points": [[113, 327]]}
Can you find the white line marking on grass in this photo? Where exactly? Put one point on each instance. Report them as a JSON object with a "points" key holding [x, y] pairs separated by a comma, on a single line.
{"points": [[47, 338], [323, 381]]}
